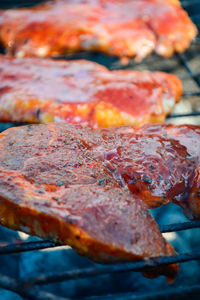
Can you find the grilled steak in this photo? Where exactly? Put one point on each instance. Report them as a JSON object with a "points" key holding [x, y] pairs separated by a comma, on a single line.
{"points": [[186, 192], [123, 28], [91, 188], [158, 163], [55, 183], [37, 90]]}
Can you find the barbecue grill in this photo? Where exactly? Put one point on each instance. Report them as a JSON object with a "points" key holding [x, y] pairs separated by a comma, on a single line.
{"points": [[186, 66]]}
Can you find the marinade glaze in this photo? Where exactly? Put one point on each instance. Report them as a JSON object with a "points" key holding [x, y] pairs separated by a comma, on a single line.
{"points": [[54, 182], [91, 188], [123, 28], [43, 91]]}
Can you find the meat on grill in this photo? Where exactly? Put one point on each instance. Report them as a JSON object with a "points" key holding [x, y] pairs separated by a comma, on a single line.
{"points": [[124, 28], [87, 187], [183, 184], [43, 91], [158, 163], [55, 183]]}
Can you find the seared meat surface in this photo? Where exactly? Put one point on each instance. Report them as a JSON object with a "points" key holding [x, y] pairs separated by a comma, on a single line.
{"points": [[187, 191], [123, 28], [42, 91], [158, 163], [54, 182], [91, 188]]}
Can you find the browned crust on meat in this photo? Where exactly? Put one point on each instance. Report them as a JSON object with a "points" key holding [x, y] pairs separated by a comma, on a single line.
{"points": [[88, 210]]}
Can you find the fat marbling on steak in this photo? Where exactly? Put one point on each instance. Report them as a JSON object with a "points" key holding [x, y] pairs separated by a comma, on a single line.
{"points": [[117, 27], [42, 91]]}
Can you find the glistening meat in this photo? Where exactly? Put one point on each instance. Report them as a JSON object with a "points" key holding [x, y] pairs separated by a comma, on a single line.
{"points": [[53, 183], [42, 91], [91, 188], [118, 27]]}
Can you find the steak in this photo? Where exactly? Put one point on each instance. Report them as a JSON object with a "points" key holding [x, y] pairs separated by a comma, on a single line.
{"points": [[55, 183], [42, 91], [187, 191], [124, 28], [158, 163], [91, 188]]}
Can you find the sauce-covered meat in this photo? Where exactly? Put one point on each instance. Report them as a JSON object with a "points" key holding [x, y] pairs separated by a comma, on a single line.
{"points": [[187, 192], [158, 163], [91, 188], [43, 91], [123, 28], [54, 183]]}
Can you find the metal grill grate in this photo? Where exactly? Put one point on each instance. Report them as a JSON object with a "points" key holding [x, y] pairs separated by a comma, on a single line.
{"points": [[184, 65]]}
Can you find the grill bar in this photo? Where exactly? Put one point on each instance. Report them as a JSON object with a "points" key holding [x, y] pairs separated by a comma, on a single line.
{"points": [[188, 69], [191, 94], [173, 293], [180, 226], [30, 246], [192, 114], [142, 265]]}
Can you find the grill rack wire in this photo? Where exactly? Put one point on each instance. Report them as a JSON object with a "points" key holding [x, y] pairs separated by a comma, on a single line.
{"points": [[26, 288]]}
